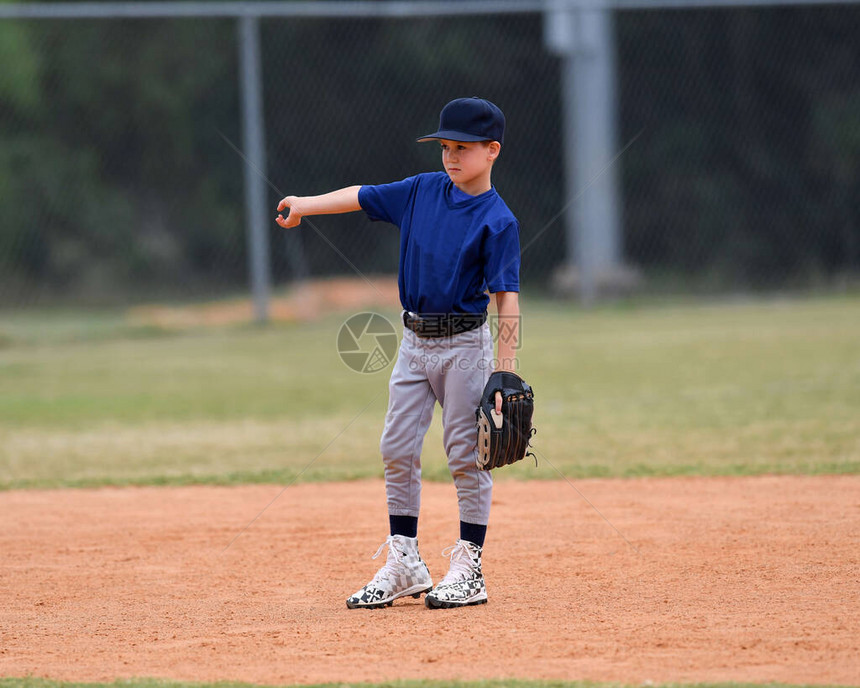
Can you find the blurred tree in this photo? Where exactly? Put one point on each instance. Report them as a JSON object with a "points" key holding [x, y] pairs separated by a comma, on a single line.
{"points": [[115, 177], [742, 111]]}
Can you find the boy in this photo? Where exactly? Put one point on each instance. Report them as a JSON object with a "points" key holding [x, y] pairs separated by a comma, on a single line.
{"points": [[458, 240]]}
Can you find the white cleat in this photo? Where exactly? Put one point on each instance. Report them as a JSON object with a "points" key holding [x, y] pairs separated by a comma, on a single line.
{"points": [[463, 585], [404, 573]]}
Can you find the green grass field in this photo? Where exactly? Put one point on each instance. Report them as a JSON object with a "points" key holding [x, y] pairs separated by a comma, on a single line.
{"points": [[732, 388]]}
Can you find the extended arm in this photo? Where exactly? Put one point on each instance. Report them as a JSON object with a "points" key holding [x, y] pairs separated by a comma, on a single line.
{"points": [[340, 201]]}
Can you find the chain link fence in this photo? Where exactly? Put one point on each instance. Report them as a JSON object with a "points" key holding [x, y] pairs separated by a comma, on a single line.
{"points": [[120, 179]]}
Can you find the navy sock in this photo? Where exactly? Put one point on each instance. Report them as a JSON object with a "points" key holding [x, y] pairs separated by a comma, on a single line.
{"points": [[473, 533], [403, 525]]}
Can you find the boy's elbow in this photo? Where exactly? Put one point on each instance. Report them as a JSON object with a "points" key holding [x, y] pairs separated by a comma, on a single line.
{"points": [[355, 203], [507, 300]]}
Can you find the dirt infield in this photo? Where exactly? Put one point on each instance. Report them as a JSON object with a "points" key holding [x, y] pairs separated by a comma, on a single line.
{"points": [[753, 579]]}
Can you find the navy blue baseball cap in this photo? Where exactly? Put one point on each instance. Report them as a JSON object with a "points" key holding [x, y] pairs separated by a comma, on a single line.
{"points": [[469, 119]]}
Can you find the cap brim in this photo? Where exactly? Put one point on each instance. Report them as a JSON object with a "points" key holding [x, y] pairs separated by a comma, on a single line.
{"points": [[451, 136]]}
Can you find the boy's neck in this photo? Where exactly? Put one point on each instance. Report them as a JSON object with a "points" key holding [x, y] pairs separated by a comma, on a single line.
{"points": [[476, 187]]}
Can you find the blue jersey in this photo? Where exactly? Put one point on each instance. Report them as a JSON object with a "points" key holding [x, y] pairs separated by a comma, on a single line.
{"points": [[453, 247]]}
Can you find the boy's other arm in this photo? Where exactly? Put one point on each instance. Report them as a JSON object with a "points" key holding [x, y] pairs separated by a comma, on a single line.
{"points": [[340, 201], [508, 310]]}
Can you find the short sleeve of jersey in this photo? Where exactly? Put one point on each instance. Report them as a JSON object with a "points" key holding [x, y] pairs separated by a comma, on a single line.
{"points": [[502, 259], [387, 202]]}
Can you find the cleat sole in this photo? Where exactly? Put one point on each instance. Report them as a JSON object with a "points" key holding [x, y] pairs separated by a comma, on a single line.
{"points": [[388, 603], [431, 603]]}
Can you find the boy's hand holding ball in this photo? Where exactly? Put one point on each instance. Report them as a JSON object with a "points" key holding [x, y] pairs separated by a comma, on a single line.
{"points": [[294, 217]]}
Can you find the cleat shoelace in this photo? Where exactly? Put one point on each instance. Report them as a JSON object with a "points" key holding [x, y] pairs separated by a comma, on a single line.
{"points": [[461, 567], [384, 575]]}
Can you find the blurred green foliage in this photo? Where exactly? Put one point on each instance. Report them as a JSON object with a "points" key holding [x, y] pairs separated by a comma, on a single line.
{"points": [[115, 177], [753, 141], [102, 164]]}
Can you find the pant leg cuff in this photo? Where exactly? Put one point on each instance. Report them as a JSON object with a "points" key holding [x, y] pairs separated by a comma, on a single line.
{"points": [[477, 519], [400, 511]]}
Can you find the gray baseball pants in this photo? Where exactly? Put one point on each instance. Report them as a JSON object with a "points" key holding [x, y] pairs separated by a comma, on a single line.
{"points": [[453, 371]]}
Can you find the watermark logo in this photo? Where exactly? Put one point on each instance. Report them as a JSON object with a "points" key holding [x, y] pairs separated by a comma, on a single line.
{"points": [[436, 361], [507, 329], [367, 342]]}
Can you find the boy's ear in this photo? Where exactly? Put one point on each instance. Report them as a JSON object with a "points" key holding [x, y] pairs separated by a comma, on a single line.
{"points": [[493, 150]]}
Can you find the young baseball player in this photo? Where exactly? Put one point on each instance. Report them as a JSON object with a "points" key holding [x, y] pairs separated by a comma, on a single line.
{"points": [[458, 240]]}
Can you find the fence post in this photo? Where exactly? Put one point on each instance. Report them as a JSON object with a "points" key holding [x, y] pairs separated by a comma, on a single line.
{"points": [[253, 144], [583, 37]]}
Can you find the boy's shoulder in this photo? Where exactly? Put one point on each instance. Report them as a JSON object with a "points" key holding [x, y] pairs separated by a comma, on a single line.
{"points": [[504, 207], [502, 216]]}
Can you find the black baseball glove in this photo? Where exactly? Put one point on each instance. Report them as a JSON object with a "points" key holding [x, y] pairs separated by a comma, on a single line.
{"points": [[504, 439]]}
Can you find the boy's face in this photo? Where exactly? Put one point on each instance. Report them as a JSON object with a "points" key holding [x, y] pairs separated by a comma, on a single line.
{"points": [[467, 162]]}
